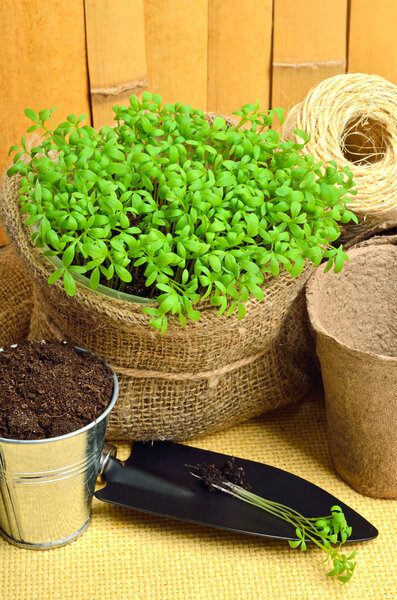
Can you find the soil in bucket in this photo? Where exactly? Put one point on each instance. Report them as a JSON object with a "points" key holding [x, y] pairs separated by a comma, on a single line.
{"points": [[49, 389]]}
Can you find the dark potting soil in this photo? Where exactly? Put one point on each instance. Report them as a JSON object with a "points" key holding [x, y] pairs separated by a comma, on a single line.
{"points": [[48, 389], [136, 287], [212, 476]]}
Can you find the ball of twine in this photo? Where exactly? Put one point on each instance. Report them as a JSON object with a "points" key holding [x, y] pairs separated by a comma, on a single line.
{"points": [[352, 119]]}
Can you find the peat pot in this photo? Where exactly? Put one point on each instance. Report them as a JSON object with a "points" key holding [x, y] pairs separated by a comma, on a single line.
{"points": [[354, 315]]}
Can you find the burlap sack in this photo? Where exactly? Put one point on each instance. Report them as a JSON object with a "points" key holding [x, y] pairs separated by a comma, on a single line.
{"points": [[354, 314], [16, 300], [190, 380]]}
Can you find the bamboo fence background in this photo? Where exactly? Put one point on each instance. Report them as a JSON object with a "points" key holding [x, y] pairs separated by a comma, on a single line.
{"points": [[84, 56]]}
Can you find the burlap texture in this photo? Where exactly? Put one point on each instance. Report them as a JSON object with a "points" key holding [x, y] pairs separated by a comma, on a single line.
{"points": [[354, 314], [16, 300], [190, 380], [127, 555]]}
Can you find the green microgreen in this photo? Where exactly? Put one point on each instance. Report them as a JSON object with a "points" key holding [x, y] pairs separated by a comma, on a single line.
{"points": [[193, 209], [328, 533]]}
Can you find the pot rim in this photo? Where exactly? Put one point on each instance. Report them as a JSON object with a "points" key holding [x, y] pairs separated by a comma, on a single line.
{"points": [[316, 321], [102, 289], [82, 429]]}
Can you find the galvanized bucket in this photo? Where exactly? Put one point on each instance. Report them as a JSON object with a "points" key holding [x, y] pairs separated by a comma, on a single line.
{"points": [[46, 486]]}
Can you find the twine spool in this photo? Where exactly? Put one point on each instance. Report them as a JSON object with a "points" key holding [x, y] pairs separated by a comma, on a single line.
{"points": [[352, 119]]}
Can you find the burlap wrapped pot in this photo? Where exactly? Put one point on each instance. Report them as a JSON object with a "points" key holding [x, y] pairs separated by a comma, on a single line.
{"points": [[354, 315], [16, 301], [190, 380]]}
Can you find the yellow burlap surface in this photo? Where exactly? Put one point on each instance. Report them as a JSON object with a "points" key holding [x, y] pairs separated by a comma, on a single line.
{"points": [[125, 555]]}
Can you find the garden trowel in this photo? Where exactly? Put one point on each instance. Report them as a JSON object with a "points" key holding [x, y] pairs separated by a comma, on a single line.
{"points": [[157, 479]]}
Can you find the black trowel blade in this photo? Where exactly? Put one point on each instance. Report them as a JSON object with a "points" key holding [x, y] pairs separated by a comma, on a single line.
{"points": [[156, 480]]}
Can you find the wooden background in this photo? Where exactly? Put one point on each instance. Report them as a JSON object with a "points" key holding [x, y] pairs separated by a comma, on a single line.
{"points": [[85, 56]]}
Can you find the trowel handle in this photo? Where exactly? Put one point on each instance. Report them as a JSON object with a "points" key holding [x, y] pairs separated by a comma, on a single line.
{"points": [[108, 452]]}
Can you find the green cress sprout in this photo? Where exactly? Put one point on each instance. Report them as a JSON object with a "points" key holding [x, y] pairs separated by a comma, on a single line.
{"points": [[194, 209], [328, 533]]}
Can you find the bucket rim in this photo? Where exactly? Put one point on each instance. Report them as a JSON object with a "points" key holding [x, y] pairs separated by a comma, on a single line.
{"points": [[91, 425]]}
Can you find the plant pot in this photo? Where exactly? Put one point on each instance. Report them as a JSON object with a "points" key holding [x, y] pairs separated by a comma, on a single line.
{"points": [[47, 485], [16, 298], [354, 316], [382, 230], [189, 381]]}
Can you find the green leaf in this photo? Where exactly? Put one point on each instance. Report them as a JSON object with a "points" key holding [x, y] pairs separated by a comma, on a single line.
{"points": [[164, 325], [123, 273], [280, 114], [32, 115], [94, 251], [252, 224], [298, 266], [296, 231], [157, 100], [94, 278], [51, 176], [52, 239], [68, 255], [302, 134], [256, 291], [242, 311], [339, 262], [219, 123], [328, 266], [168, 303], [274, 266], [55, 276], [156, 322], [166, 258], [118, 169], [295, 209], [194, 315], [69, 284], [215, 263], [225, 179], [151, 278]]}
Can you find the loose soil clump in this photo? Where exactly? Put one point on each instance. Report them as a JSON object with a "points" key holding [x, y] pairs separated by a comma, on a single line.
{"points": [[50, 389], [212, 476]]}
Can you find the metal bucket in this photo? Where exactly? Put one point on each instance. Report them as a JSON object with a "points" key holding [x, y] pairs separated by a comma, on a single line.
{"points": [[46, 486]]}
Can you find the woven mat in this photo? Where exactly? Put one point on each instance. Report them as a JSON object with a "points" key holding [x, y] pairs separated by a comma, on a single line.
{"points": [[126, 555]]}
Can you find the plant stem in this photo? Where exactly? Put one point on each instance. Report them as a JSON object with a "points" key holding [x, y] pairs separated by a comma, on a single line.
{"points": [[306, 528]]}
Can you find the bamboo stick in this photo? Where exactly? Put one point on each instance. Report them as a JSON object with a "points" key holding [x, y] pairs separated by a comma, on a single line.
{"points": [[239, 53], [42, 65], [309, 45], [372, 38], [115, 54], [176, 50]]}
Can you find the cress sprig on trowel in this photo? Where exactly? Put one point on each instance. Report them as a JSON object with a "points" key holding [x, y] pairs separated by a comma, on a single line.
{"points": [[328, 533]]}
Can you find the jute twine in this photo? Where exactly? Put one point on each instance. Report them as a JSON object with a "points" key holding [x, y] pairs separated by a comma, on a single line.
{"points": [[352, 119], [189, 381], [354, 315]]}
